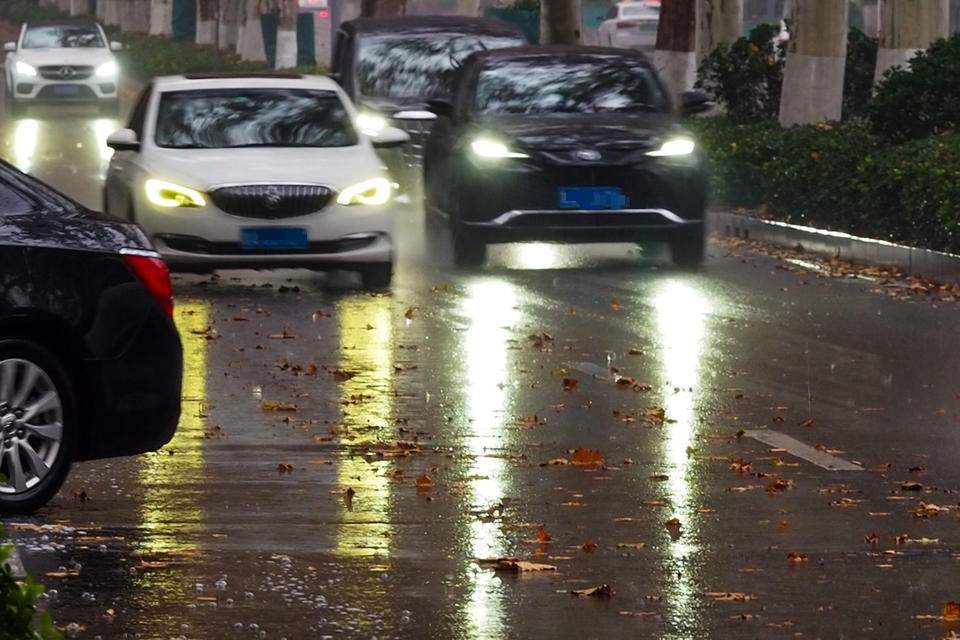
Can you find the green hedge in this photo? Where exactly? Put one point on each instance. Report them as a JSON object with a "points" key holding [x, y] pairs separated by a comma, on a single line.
{"points": [[839, 176]]}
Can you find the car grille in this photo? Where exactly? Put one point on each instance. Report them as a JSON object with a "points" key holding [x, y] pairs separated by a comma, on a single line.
{"points": [[272, 201], [65, 72], [191, 244], [418, 130]]}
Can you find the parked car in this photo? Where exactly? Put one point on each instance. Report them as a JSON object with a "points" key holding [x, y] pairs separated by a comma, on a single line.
{"points": [[564, 144], [255, 171], [63, 61], [90, 359], [391, 67], [631, 25]]}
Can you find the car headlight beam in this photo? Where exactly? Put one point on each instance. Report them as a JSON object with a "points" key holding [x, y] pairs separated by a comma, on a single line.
{"points": [[674, 147], [370, 123], [375, 191], [170, 195], [486, 148], [108, 69], [24, 69]]}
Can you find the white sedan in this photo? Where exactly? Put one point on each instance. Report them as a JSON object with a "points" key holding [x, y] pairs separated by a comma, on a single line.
{"points": [[68, 61], [257, 171], [631, 25]]}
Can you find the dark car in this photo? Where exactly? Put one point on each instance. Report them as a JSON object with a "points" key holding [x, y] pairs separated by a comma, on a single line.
{"points": [[90, 359], [568, 145], [391, 67]]}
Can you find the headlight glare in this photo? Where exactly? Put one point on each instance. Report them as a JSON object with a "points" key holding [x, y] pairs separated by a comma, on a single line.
{"points": [[108, 69], [170, 195], [674, 147], [370, 123], [486, 148], [24, 69], [372, 192]]}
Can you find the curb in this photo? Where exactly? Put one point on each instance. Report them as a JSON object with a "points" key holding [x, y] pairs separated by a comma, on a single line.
{"points": [[933, 265]]}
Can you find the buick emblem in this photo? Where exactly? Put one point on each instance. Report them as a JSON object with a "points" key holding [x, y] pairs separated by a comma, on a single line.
{"points": [[588, 155], [272, 197], [66, 72]]}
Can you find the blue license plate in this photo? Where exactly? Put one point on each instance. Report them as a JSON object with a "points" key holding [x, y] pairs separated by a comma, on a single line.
{"points": [[593, 198], [66, 90], [273, 238]]}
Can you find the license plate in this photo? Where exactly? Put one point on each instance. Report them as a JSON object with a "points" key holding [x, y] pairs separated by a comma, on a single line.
{"points": [[273, 238], [592, 198], [66, 90]]}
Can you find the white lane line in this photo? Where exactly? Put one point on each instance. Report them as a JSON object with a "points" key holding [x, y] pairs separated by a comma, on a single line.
{"points": [[16, 566], [803, 451], [595, 370]]}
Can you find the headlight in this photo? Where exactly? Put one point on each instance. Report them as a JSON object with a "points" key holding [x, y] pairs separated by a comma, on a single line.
{"points": [[674, 147], [370, 123], [372, 192], [24, 69], [107, 69], [167, 194], [492, 149]]}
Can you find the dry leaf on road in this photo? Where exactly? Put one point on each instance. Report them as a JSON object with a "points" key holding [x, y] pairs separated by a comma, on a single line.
{"points": [[602, 591]]}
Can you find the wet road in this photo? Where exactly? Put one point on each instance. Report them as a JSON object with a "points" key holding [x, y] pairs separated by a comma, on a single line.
{"points": [[292, 501]]}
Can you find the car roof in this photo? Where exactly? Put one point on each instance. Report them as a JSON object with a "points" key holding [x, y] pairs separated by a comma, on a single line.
{"points": [[198, 81], [554, 52], [486, 26]]}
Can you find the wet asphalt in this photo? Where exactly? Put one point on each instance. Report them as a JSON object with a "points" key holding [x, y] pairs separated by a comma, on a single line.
{"points": [[345, 459]]}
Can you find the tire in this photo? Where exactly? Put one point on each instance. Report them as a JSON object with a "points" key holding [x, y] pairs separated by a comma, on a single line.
{"points": [[467, 252], [51, 396], [377, 276], [688, 249]]}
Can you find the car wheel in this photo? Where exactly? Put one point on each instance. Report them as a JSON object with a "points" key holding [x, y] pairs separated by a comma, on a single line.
{"points": [[38, 426], [688, 248], [467, 252], [377, 276]]}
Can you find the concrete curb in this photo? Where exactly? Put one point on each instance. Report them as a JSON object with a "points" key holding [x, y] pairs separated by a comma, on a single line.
{"points": [[934, 265]]}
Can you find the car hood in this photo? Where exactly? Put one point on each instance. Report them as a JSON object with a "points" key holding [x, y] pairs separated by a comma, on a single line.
{"points": [[75, 56], [207, 169], [390, 106], [577, 132]]}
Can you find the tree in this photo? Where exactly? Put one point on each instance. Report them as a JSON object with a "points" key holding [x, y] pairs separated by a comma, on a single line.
{"points": [[906, 27], [816, 57], [207, 12], [286, 57], [560, 22], [161, 17], [676, 55], [720, 22], [249, 35]]}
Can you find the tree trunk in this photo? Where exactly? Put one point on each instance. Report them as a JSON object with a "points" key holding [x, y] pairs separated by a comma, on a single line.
{"points": [[135, 16], [249, 34], [813, 78], [906, 27], [560, 22], [468, 8], [161, 17], [79, 7], [206, 21], [287, 35], [229, 23], [101, 9], [111, 12], [676, 54], [720, 22]]}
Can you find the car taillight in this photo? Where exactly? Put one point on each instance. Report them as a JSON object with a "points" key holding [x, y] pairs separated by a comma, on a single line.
{"points": [[154, 275]]}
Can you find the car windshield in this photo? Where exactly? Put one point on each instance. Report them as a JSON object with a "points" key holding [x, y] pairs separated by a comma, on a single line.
{"points": [[418, 65], [62, 37], [558, 85], [229, 118]]}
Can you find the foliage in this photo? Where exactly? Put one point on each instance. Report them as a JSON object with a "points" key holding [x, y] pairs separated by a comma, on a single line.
{"points": [[746, 77], [19, 619], [17, 11], [859, 74], [922, 100], [841, 177]]}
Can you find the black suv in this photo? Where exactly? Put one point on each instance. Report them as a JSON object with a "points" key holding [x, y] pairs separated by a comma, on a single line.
{"points": [[90, 359], [568, 145]]}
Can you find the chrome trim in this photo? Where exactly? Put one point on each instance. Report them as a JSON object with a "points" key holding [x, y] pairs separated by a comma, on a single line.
{"points": [[504, 218], [416, 114], [144, 253], [266, 183]]}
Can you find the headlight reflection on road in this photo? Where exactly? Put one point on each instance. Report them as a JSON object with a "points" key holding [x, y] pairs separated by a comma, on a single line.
{"points": [[681, 316], [25, 143], [490, 307], [102, 129]]}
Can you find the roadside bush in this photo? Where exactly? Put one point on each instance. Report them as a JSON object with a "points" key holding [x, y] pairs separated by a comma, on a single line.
{"points": [[841, 177], [17, 11], [19, 619], [858, 77], [922, 100]]}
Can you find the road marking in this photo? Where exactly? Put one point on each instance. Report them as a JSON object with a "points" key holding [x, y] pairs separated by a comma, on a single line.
{"points": [[803, 451], [595, 370], [16, 566]]}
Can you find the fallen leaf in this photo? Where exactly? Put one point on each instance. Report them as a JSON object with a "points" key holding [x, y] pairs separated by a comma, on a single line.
{"points": [[807, 423], [951, 611], [615, 304], [603, 591], [409, 313], [741, 466], [283, 467], [555, 462], [873, 538], [283, 335], [778, 485], [911, 486], [341, 375], [673, 523], [795, 557], [424, 483], [273, 405], [928, 510], [729, 596], [570, 384], [543, 536], [583, 457], [588, 547], [514, 565]]}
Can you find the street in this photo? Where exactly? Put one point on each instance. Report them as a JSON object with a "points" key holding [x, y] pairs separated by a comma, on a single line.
{"points": [[345, 461]]}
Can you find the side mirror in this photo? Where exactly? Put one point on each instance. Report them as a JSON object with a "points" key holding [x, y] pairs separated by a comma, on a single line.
{"points": [[116, 46], [9, 47], [390, 137], [442, 108], [123, 140], [695, 102]]}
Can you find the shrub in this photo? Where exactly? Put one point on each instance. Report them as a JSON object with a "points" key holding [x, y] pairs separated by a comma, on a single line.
{"points": [[922, 100], [19, 619], [858, 76]]}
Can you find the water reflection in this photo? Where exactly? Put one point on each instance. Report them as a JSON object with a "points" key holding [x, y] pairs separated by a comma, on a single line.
{"points": [[25, 139], [102, 129], [490, 308], [366, 349], [681, 317]]}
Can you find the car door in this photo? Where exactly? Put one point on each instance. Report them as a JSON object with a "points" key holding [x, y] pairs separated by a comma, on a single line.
{"points": [[118, 185]]}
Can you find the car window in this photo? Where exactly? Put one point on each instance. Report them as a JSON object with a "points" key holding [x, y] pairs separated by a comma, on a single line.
{"points": [[12, 202], [574, 85], [139, 113], [418, 65], [62, 37], [229, 118]]}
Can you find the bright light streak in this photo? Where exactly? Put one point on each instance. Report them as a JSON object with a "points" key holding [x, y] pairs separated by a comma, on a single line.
{"points": [[25, 143]]}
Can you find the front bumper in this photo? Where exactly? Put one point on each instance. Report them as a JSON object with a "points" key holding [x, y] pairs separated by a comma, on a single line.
{"points": [[39, 89]]}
